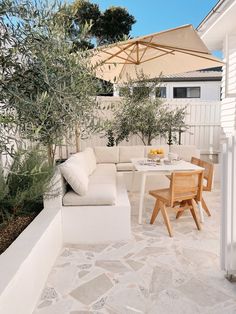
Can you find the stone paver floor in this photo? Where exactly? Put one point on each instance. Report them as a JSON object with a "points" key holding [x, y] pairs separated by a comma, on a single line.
{"points": [[151, 273]]}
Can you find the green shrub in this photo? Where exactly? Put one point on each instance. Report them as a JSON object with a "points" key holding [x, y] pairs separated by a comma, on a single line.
{"points": [[27, 179]]}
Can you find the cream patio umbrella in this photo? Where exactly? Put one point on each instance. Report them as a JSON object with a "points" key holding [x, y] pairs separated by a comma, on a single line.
{"points": [[173, 51]]}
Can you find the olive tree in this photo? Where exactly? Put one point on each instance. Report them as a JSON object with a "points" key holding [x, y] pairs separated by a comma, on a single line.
{"points": [[137, 113], [174, 124], [49, 88], [147, 117]]}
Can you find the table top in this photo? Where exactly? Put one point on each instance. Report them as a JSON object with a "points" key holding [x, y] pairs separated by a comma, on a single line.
{"points": [[143, 165]]}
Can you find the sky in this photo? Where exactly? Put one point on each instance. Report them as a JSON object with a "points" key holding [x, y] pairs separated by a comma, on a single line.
{"points": [[156, 15]]}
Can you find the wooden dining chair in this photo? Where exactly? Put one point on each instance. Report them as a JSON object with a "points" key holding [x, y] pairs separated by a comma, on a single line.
{"points": [[207, 178], [185, 188]]}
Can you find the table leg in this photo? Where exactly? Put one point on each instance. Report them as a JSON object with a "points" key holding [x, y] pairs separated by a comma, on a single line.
{"points": [[141, 200], [200, 209]]}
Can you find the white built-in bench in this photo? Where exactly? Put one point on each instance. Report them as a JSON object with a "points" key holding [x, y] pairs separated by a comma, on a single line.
{"points": [[96, 208]]}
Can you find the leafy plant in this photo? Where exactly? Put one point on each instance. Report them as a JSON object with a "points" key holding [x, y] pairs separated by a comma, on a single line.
{"points": [[46, 85], [110, 138], [174, 124], [138, 114], [27, 179]]}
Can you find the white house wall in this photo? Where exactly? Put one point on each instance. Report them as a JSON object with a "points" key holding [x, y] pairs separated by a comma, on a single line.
{"points": [[228, 157], [228, 107], [210, 90]]}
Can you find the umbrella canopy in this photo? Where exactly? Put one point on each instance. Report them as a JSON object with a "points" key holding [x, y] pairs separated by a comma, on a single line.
{"points": [[173, 51]]}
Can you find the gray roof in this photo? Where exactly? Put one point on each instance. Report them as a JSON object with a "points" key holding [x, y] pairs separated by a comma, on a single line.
{"points": [[208, 75]]}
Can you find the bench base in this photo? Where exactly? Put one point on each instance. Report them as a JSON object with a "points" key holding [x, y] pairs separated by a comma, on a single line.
{"points": [[98, 224]]}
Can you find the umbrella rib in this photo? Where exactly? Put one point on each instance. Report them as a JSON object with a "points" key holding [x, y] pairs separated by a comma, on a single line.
{"points": [[137, 53], [145, 50], [117, 53], [195, 55], [166, 53], [119, 63], [109, 53], [180, 51], [173, 48], [125, 63], [127, 55], [155, 46]]}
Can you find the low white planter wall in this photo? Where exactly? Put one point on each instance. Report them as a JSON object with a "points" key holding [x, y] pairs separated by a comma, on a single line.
{"points": [[25, 265]]}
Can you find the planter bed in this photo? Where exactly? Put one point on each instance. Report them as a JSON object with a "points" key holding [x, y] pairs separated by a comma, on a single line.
{"points": [[11, 230]]}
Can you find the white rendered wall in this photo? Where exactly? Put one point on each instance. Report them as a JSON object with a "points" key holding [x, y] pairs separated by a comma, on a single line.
{"points": [[25, 265]]}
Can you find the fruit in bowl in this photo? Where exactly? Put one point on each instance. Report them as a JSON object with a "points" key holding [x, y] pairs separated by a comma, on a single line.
{"points": [[156, 153]]}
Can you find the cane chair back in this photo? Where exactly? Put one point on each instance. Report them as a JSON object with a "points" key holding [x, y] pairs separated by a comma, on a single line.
{"points": [[208, 172], [195, 161], [186, 186], [208, 175]]}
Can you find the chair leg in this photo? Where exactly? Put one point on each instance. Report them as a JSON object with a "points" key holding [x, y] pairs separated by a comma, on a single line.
{"points": [[204, 205], [179, 213], [181, 210], [193, 212], [155, 212], [166, 220]]}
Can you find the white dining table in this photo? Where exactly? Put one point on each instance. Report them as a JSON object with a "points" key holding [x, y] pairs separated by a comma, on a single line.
{"points": [[147, 168]]}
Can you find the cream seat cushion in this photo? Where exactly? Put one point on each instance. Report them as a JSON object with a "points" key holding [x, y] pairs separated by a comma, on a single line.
{"points": [[101, 188], [125, 166]]}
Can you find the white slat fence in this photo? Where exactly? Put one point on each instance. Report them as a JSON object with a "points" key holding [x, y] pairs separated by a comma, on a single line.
{"points": [[203, 117]]}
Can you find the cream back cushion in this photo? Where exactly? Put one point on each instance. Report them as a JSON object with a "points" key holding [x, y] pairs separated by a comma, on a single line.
{"points": [[75, 174], [128, 152], [90, 159], [81, 159], [186, 152], [86, 159], [106, 154]]}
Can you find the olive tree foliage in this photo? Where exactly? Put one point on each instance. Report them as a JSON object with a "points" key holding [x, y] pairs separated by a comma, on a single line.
{"points": [[45, 86], [137, 113], [147, 117], [174, 124]]}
